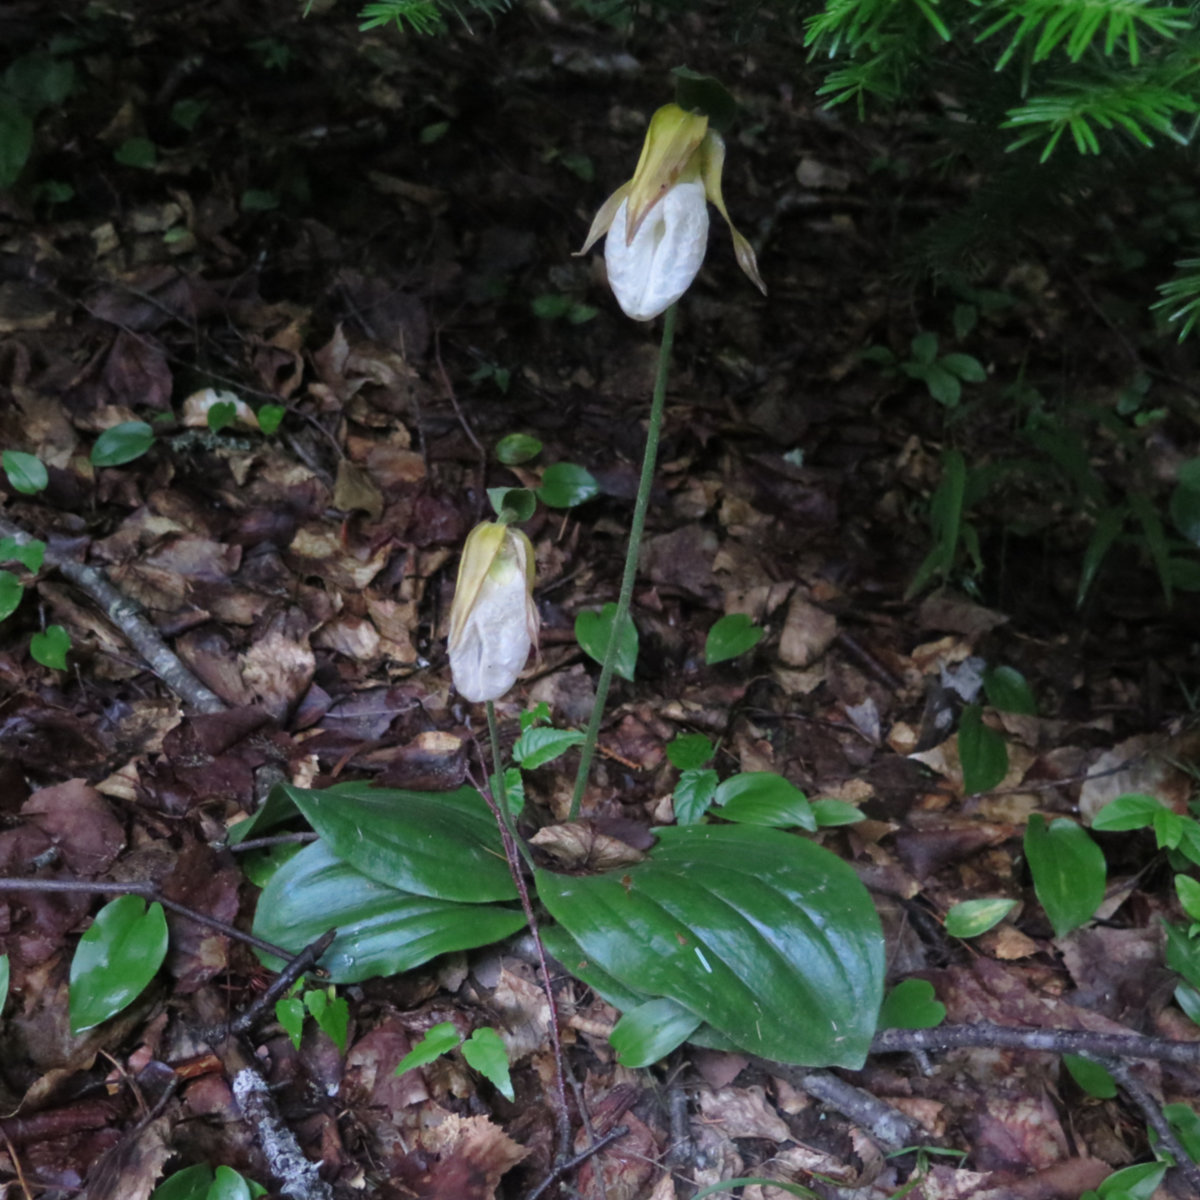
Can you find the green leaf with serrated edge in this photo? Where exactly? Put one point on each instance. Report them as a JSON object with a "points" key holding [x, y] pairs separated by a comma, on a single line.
{"points": [[564, 485], [11, 591], [764, 798], [1183, 954], [769, 938], [1009, 691], [26, 472], [1090, 1076], [1068, 871], [30, 554], [122, 444], [4, 975], [270, 417], [484, 1051], [694, 793], [981, 752], [593, 630], [227, 1184], [1188, 891], [289, 1012], [517, 448], [732, 635], [536, 747], [514, 504], [911, 1004], [221, 415], [651, 1031], [1134, 811], [828, 812], [116, 958], [1189, 1000], [440, 1039], [689, 751], [973, 917], [333, 1020], [381, 931], [442, 844], [192, 1183], [50, 647]]}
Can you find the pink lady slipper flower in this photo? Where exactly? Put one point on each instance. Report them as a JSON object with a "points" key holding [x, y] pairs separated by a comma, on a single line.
{"points": [[493, 620], [657, 223]]}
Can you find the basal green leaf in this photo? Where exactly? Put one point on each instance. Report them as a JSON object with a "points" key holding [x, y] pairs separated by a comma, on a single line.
{"points": [[536, 747], [122, 444], [484, 1051], [439, 1039], [565, 485], [381, 931], [277, 809], [26, 472], [442, 844], [1090, 1076], [764, 798], [1009, 691], [593, 630], [973, 917], [694, 793], [829, 812], [651, 1031], [192, 1183], [732, 635], [227, 1184], [689, 750], [767, 937], [911, 1004], [1068, 871], [1138, 1182], [115, 960], [981, 751]]}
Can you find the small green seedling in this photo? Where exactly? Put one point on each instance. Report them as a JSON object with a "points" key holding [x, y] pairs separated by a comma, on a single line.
{"points": [[323, 1004], [942, 374], [484, 1051]]}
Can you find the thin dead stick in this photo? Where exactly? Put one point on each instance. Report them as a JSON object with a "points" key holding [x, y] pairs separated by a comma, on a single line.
{"points": [[1048, 1041], [565, 1168], [1151, 1110], [148, 892], [452, 395], [131, 623]]}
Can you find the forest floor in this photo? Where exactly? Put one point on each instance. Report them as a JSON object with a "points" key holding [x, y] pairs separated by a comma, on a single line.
{"points": [[364, 229]]}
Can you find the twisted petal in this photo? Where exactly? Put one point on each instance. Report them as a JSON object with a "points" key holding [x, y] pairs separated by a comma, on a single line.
{"points": [[651, 271], [712, 161]]}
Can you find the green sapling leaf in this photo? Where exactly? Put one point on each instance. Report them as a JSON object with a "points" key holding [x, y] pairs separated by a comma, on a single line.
{"points": [[536, 747], [289, 1012], [1009, 691], [694, 794], [50, 647], [440, 1039], [270, 417], [689, 750], [122, 444], [732, 635], [973, 917], [484, 1051], [566, 485], [911, 1004], [1068, 871], [981, 752], [764, 798], [593, 631], [30, 554], [1090, 1076], [828, 813], [516, 448], [11, 591], [221, 415]]}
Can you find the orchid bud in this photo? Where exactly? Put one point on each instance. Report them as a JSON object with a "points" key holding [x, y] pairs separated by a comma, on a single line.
{"points": [[657, 223], [493, 620]]}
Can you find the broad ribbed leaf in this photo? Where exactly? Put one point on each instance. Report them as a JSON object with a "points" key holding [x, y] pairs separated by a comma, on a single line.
{"points": [[651, 1031], [767, 937], [442, 844], [381, 931]]}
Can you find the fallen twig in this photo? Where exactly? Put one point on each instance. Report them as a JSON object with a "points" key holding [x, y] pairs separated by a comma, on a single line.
{"points": [[148, 892], [132, 624], [564, 1168]]}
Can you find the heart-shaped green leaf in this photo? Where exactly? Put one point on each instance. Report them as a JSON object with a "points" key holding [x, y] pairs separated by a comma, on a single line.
{"points": [[732, 635], [694, 793], [764, 798], [767, 937], [484, 1051], [115, 960], [442, 844], [381, 931], [50, 648], [1068, 871], [911, 1004], [593, 630]]}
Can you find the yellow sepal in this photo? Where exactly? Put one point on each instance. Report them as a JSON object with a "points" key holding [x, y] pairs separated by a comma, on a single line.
{"points": [[712, 162], [479, 552], [668, 155]]}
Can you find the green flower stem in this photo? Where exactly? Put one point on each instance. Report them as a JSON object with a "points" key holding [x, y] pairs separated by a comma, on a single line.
{"points": [[641, 504], [499, 788]]}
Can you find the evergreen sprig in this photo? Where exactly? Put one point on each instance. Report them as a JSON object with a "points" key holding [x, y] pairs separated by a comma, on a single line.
{"points": [[424, 16]]}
